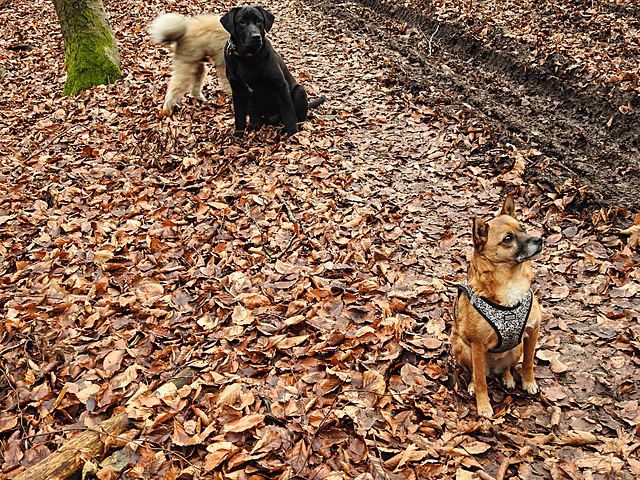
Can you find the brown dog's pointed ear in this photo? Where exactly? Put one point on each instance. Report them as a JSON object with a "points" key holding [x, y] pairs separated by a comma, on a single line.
{"points": [[227, 20], [480, 233], [509, 206], [268, 19]]}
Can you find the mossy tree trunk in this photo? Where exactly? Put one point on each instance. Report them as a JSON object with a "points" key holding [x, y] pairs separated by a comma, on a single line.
{"points": [[90, 48]]}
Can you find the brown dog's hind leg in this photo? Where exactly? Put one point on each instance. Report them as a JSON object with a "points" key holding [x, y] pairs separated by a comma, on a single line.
{"points": [[507, 379]]}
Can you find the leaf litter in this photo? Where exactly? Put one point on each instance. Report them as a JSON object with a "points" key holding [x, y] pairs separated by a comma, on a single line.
{"points": [[307, 280]]}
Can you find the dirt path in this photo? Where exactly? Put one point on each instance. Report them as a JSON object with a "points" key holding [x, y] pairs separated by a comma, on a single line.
{"points": [[538, 105], [431, 172], [433, 149]]}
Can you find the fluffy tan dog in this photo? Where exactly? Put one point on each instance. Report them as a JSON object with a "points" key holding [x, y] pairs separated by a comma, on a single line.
{"points": [[496, 315], [196, 40]]}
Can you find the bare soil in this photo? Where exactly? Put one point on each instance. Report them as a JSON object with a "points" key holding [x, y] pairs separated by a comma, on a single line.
{"points": [[578, 126]]}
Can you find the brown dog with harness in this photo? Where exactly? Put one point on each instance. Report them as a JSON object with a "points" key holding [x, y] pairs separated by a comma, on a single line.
{"points": [[496, 315]]}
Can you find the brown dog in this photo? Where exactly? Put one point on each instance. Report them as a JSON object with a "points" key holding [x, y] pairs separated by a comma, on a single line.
{"points": [[197, 39], [496, 315]]}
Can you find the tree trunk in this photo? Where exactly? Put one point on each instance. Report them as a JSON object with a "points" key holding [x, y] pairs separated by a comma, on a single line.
{"points": [[91, 52]]}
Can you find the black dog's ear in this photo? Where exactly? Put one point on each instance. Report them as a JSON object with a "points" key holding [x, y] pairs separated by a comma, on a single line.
{"points": [[227, 20], [480, 233], [509, 206], [268, 19]]}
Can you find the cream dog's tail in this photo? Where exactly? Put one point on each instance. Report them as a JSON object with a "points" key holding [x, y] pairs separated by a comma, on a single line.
{"points": [[168, 28]]}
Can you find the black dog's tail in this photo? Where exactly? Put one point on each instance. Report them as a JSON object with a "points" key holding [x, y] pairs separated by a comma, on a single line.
{"points": [[316, 101]]}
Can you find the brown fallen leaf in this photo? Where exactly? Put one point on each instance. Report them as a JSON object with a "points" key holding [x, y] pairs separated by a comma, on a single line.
{"points": [[242, 424], [578, 438], [218, 453]]}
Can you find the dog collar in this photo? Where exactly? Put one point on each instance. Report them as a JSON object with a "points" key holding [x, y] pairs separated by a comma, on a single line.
{"points": [[508, 322], [230, 49]]}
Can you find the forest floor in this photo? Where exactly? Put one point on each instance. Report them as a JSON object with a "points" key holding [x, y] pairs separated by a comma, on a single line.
{"points": [[309, 280]]}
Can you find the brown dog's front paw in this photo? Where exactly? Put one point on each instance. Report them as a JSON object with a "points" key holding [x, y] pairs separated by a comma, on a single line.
{"points": [[485, 410], [530, 386]]}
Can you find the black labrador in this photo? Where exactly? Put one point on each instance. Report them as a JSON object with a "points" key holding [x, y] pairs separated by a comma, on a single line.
{"points": [[261, 84]]}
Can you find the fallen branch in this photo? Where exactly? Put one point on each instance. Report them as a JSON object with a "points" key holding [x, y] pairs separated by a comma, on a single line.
{"points": [[62, 463]]}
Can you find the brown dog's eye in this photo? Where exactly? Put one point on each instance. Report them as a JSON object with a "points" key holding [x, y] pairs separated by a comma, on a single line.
{"points": [[507, 239]]}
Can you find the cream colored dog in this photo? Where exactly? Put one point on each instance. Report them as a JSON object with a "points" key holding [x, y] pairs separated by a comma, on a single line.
{"points": [[196, 39]]}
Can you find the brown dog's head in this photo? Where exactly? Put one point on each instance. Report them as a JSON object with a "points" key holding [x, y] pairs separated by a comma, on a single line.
{"points": [[247, 27], [504, 239]]}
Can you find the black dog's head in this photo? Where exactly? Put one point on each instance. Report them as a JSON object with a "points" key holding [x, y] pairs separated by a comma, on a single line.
{"points": [[247, 26]]}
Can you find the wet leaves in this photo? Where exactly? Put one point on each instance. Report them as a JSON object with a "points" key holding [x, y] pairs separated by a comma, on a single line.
{"points": [[307, 280]]}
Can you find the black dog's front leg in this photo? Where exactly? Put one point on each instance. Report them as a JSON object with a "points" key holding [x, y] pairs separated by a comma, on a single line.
{"points": [[286, 109], [240, 109]]}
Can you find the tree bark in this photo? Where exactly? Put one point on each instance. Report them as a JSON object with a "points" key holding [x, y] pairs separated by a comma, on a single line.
{"points": [[90, 51]]}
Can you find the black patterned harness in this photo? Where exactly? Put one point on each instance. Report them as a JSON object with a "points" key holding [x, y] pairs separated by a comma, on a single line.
{"points": [[508, 322]]}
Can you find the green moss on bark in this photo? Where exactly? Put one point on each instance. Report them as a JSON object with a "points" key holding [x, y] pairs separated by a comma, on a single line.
{"points": [[89, 65], [91, 53]]}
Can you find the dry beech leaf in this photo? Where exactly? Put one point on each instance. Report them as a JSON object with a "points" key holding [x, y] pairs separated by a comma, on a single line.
{"points": [[8, 422], [113, 360], [125, 378], [218, 453], [243, 423], [290, 342], [476, 448], [410, 455], [372, 381], [230, 395], [577, 438], [149, 291], [241, 316], [271, 440], [102, 256]]}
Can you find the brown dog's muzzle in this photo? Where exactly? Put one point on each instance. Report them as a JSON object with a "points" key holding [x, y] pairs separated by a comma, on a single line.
{"points": [[529, 248]]}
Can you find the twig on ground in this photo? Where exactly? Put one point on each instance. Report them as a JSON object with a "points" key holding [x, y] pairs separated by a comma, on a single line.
{"points": [[20, 414], [52, 141], [431, 39]]}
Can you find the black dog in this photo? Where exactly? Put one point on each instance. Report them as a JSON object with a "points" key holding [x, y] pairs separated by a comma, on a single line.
{"points": [[261, 84]]}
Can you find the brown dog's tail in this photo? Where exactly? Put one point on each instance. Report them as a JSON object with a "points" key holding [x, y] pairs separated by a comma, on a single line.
{"points": [[316, 101]]}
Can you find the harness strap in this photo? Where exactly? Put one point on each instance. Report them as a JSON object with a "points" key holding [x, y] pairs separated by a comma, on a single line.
{"points": [[508, 322]]}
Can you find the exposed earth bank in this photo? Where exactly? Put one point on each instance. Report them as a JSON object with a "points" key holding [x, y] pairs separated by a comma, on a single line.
{"points": [[586, 131]]}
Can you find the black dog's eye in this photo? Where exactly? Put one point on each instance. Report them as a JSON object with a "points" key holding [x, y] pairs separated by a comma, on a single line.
{"points": [[258, 21], [507, 238]]}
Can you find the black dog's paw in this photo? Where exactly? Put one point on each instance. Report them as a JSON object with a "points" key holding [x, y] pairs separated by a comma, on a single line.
{"points": [[289, 131], [238, 133]]}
